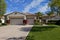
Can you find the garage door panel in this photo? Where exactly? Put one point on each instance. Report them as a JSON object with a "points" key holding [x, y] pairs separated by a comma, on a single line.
{"points": [[16, 21], [30, 21]]}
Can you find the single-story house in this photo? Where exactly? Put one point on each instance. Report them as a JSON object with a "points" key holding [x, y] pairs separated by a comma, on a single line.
{"points": [[16, 18], [55, 18], [50, 19], [46, 17]]}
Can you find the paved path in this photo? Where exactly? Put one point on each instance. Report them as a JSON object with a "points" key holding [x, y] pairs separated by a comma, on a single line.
{"points": [[14, 32]]}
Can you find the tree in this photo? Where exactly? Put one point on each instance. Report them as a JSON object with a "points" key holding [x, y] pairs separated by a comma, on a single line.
{"points": [[2, 7], [39, 18], [55, 6], [38, 15], [50, 13]]}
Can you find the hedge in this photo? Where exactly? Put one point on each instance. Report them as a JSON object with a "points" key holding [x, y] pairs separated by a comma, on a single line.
{"points": [[57, 22]]}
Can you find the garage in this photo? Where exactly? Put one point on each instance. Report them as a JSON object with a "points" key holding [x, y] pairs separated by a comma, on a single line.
{"points": [[30, 21], [16, 21], [16, 18]]}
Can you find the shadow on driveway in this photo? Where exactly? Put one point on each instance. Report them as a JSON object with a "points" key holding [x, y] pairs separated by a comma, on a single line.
{"points": [[26, 29], [17, 38]]}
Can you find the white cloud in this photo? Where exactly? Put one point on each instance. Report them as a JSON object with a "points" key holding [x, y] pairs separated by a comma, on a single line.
{"points": [[16, 1], [43, 8], [34, 3]]}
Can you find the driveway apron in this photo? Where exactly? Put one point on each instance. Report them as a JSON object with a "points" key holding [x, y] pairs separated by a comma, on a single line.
{"points": [[14, 32]]}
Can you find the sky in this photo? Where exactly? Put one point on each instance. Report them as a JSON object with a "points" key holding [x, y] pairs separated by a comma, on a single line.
{"points": [[31, 6]]}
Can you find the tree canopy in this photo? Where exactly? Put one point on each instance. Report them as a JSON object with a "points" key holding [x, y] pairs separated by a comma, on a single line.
{"points": [[39, 14], [2, 7], [50, 13], [55, 6]]}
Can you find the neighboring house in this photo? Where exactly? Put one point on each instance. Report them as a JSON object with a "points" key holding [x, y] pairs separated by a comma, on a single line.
{"points": [[16, 18], [55, 18], [46, 18]]}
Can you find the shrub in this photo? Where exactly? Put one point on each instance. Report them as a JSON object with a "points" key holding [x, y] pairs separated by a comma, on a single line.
{"points": [[0, 21], [4, 24], [52, 22], [58, 22], [37, 22]]}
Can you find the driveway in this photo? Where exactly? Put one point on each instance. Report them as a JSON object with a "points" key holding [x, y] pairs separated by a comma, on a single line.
{"points": [[14, 32]]}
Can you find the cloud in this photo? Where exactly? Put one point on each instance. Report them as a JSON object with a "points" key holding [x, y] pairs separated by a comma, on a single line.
{"points": [[34, 3], [43, 8], [16, 1]]}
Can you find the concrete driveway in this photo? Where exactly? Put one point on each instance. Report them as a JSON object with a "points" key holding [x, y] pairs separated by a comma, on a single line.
{"points": [[14, 32]]}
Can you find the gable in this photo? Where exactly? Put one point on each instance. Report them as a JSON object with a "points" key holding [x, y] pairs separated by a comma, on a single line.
{"points": [[18, 14], [15, 14]]}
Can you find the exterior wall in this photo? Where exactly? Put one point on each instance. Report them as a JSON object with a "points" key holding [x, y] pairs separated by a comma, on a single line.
{"points": [[30, 16], [16, 17]]}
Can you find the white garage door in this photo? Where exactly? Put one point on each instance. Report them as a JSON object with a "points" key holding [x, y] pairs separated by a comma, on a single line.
{"points": [[30, 21], [16, 21]]}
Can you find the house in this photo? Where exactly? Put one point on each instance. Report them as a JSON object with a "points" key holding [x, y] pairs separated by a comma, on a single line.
{"points": [[46, 18], [51, 19], [16, 18], [55, 18]]}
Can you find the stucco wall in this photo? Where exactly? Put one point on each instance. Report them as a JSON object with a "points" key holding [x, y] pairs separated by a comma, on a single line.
{"points": [[30, 16]]}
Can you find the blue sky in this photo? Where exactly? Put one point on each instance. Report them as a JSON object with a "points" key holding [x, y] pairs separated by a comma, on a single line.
{"points": [[31, 6]]}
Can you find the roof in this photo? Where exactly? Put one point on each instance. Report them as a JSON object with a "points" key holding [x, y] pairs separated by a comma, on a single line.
{"points": [[55, 18], [28, 13], [20, 13], [13, 12]]}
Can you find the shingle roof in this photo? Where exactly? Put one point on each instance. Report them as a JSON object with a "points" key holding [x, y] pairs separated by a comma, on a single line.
{"points": [[21, 13], [28, 13], [55, 18]]}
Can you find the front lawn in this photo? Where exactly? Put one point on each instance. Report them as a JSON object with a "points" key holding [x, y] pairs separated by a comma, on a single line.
{"points": [[44, 33]]}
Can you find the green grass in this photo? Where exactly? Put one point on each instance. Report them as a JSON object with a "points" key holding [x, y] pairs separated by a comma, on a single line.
{"points": [[44, 33]]}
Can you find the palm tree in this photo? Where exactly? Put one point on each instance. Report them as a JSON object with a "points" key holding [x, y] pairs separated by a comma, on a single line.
{"points": [[39, 17]]}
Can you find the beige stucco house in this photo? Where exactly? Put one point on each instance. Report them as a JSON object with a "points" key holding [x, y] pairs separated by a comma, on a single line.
{"points": [[16, 18]]}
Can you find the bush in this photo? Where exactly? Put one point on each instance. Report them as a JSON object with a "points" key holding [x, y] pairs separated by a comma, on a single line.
{"points": [[58, 22], [54, 22], [0, 21], [36, 22], [4, 24]]}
